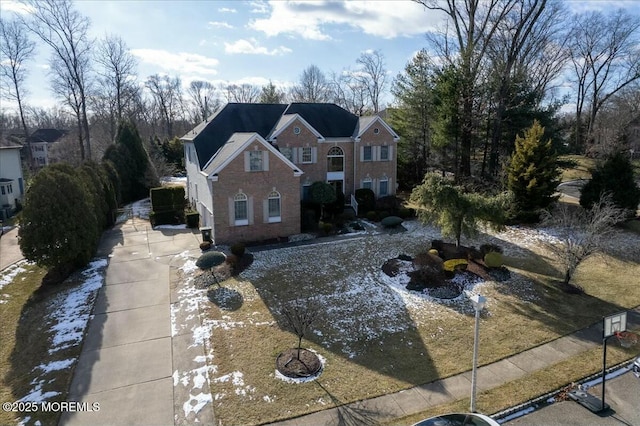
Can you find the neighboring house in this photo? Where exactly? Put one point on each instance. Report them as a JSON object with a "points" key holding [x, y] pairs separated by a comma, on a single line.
{"points": [[11, 178], [249, 166], [41, 142]]}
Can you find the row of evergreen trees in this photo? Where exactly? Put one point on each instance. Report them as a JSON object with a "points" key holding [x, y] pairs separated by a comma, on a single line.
{"points": [[66, 208]]}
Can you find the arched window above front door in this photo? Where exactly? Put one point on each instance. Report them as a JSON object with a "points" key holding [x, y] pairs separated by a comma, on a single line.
{"points": [[335, 160]]}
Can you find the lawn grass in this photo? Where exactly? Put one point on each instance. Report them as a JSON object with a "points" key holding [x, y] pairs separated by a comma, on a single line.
{"points": [[532, 385], [377, 340], [25, 340], [582, 169]]}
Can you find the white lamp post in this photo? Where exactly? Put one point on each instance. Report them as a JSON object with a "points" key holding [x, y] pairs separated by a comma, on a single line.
{"points": [[478, 304]]}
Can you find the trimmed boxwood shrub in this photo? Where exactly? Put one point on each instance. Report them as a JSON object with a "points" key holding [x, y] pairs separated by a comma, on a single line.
{"points": [[210, 260], [493, 259], [167, 205], [372, 215], [391, 221]]}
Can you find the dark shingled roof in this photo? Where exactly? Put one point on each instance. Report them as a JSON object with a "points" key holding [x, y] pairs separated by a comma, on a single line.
{"points": [[329, 120], [47, 135], [259, 118]]}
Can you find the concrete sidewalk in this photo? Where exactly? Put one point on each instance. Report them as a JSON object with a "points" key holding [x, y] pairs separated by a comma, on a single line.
{"points": [[421, 398], [9, 248], [127, 360]]}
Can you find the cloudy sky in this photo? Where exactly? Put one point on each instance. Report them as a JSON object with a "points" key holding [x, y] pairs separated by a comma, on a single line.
{"points": [[256, 41]]}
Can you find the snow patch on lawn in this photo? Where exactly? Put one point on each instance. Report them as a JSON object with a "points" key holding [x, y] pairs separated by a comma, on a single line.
{"points": [[68, 317], [74, 307], [141, 208], [7, 276]]}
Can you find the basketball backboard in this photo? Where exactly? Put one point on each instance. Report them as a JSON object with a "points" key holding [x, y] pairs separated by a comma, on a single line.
{"points": [[614, 324]]}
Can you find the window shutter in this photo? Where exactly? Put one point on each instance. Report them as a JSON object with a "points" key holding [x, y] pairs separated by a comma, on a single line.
{"points": [[232, 216], [376, 153], [265, 211], [265, 161], [314, 155], [300, 151], [294, 155], [250, 210], [374, 187], [247, 162], [361, 153], [390, 152], [390, 189]]}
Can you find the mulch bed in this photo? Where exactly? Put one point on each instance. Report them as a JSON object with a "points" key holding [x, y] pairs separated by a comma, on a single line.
{"points": [[289, 365]]}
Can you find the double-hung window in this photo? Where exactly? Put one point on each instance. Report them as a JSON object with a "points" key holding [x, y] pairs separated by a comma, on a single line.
{"points": [[383, 187], [255, 161], [384, 153], [274, 207], [367, 153], [240, 209], [307, 156]]}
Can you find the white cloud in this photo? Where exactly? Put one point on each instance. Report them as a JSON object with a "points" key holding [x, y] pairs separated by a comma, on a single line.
{"points": [[227, 10], [387, 19], [252, 47], [16, 7], [259, 6], [220, 24], [182, 62]]}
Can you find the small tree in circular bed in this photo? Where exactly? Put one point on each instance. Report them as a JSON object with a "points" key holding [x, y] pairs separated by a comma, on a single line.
{"points": [[210, 260]]}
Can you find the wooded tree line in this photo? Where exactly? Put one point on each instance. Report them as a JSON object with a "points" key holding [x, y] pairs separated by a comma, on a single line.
{"points": [[495, 66]]}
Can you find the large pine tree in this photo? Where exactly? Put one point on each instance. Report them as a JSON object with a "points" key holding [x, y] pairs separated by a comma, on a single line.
{"points": [[532, 174]]}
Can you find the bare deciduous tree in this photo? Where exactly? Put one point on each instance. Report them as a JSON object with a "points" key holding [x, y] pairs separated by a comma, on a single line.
{"points": [[244, 93], [117, 70], [15, 49], [65, 31], [299, 318], [204, 99], [605, 58], [313, 86], [167, 96], [582, 232], [349, 92], [372, 76]]}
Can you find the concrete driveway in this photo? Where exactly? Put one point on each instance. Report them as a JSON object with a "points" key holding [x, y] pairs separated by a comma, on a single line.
{"points": [[9, 249], [622, 394]]}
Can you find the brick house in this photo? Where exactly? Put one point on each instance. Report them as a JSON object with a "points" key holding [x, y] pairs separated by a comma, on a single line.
{"points": [[250, 165]]}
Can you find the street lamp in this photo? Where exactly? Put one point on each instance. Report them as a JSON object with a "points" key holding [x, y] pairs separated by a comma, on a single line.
{"points": [[478, 304]]}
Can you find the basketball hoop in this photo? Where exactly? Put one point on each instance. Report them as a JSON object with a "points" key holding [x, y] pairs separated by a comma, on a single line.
{"points": [[626, 338]]}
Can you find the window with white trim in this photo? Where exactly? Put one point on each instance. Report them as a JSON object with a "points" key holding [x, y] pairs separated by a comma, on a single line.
{"points": [[384, 153], [383, 187], [255, 161], [367, 153], [240, 209], [335, 160], [274, 207], [307, 156], [367, 183], [288, 153], [296, 130]]}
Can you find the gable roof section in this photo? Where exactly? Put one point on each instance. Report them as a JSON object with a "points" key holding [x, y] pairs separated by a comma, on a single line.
{"points": [[329, 120], [208, 137], [236, 144], [286, 120], [46, 135], [366, 122]]}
